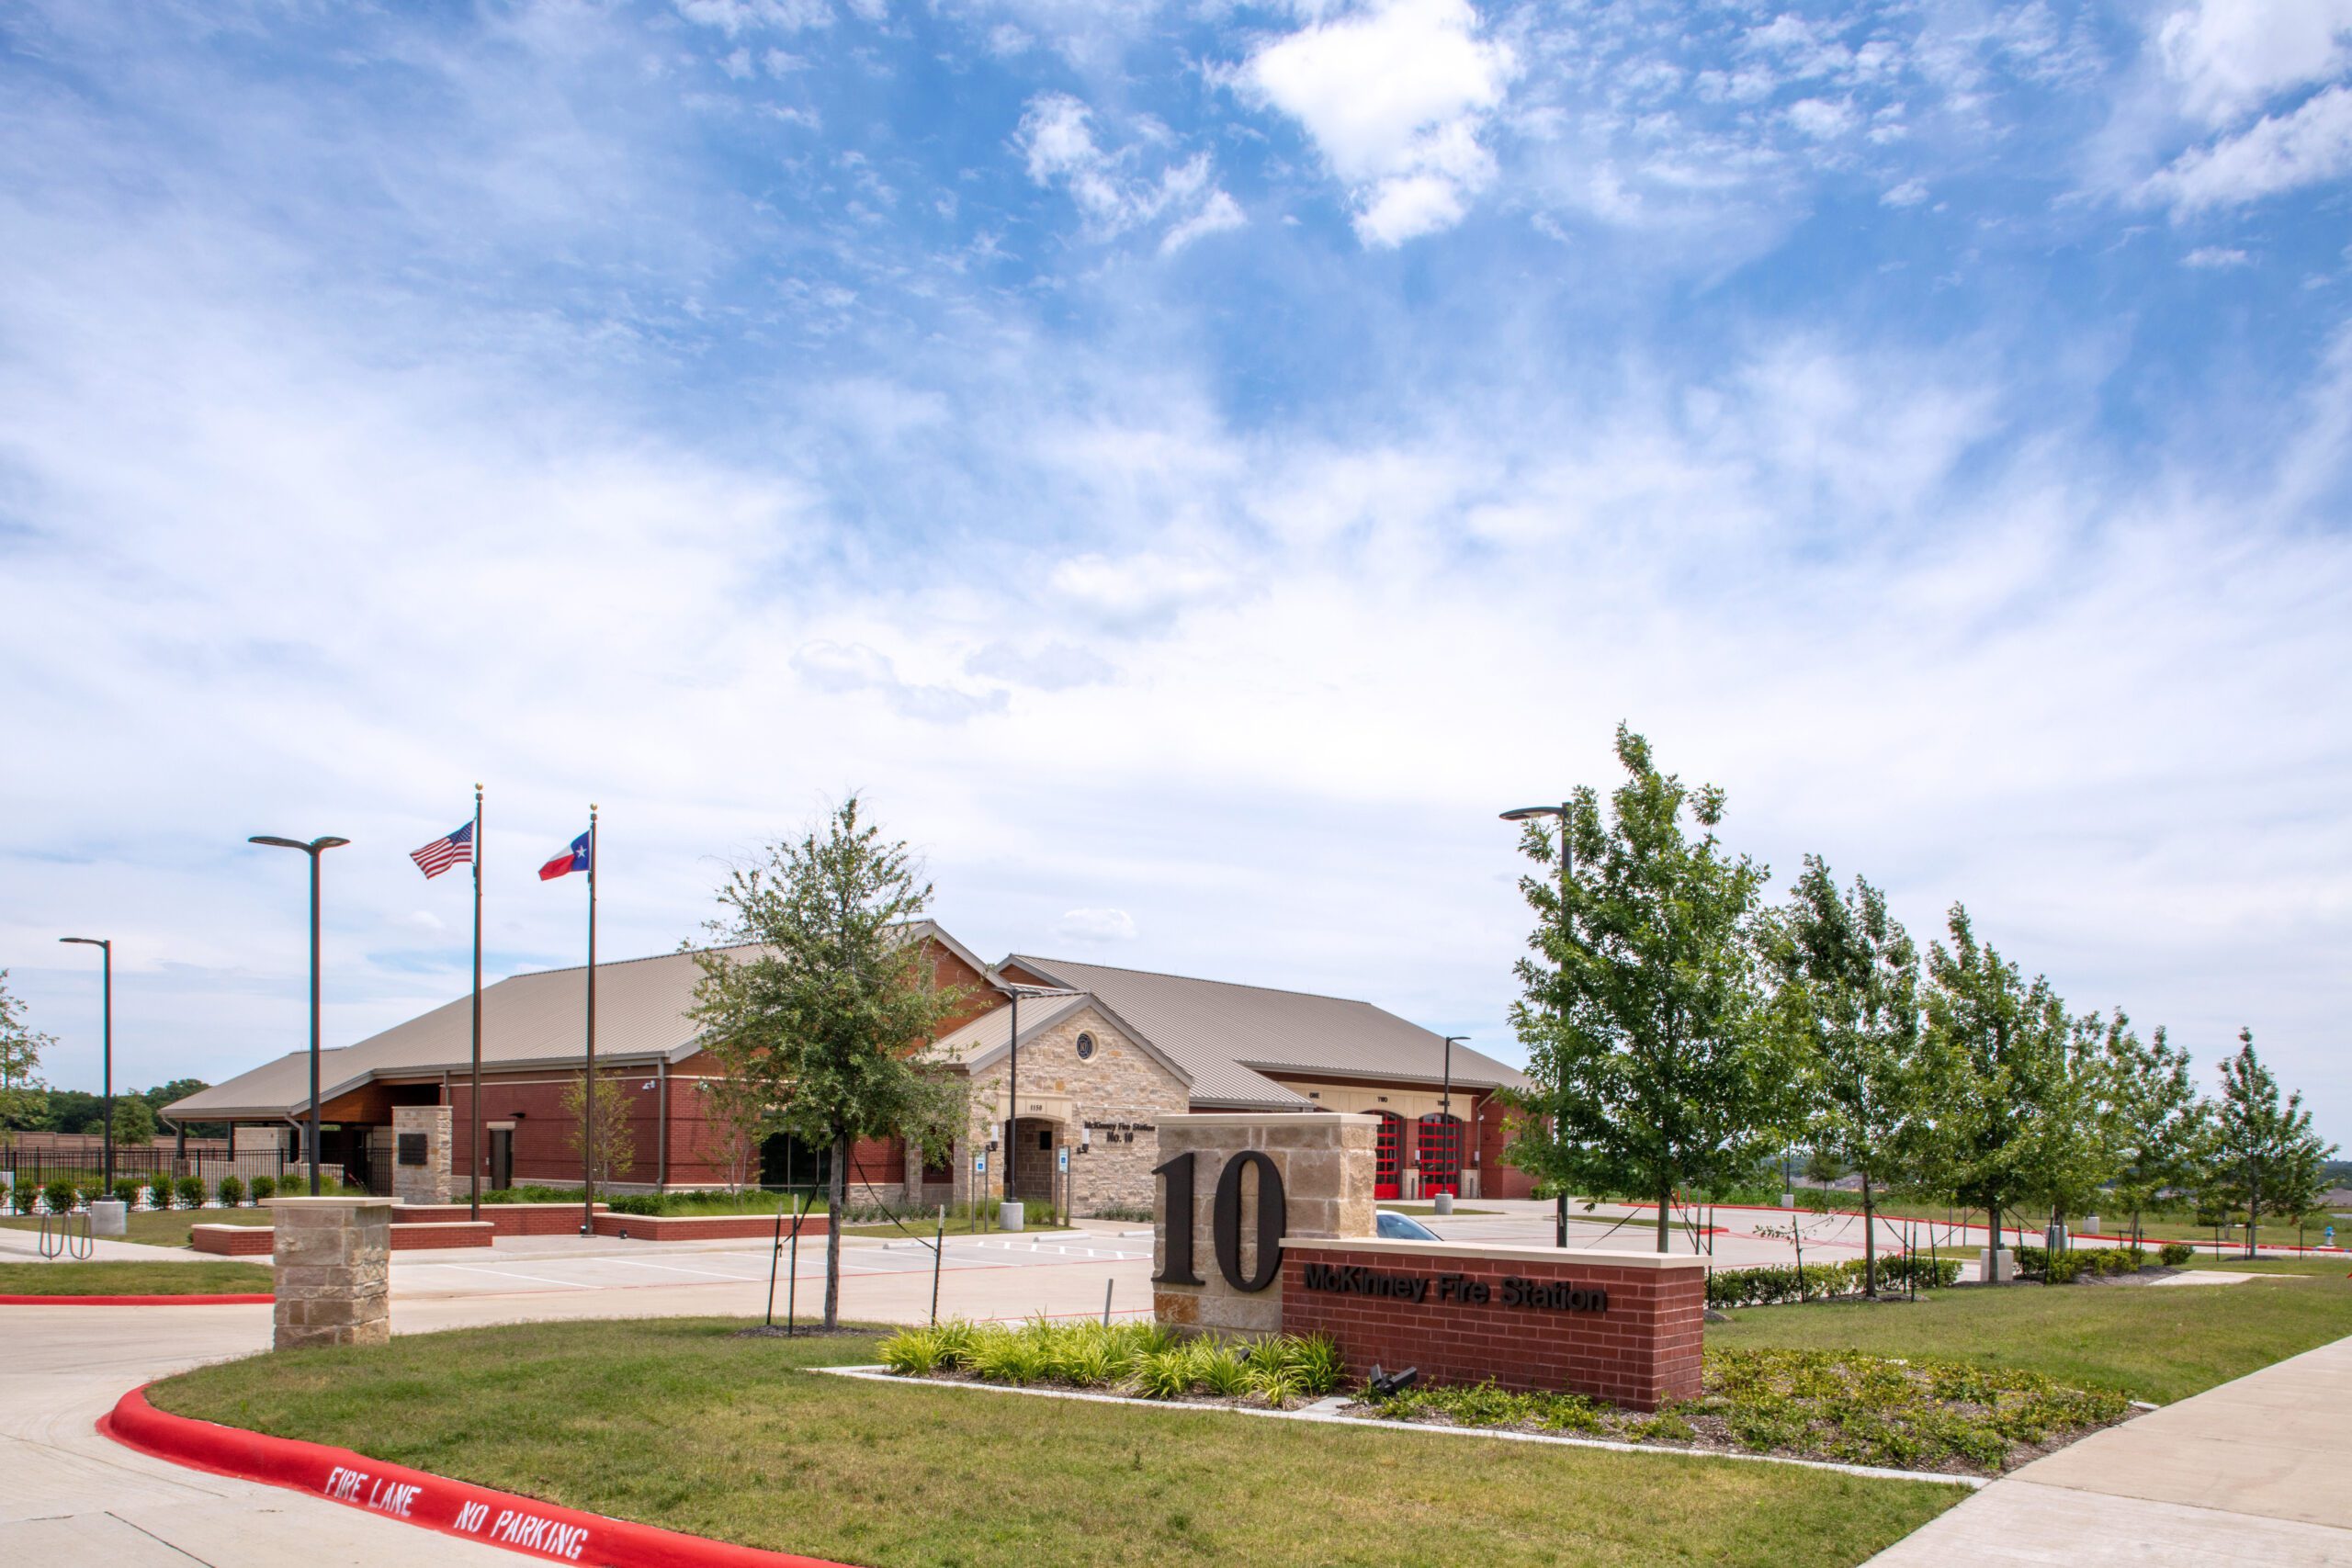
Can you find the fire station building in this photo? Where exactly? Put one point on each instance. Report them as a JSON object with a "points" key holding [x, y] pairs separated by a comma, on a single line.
{"points": [[1101, 1055]]}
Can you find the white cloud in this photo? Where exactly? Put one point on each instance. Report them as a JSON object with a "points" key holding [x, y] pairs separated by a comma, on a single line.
{"points": [[1395, 95], [2311, 146], [2234, 56], [2215, 258], [1057, 140], [1096, 926], [853, 669], [1910, 193], [1820, 119], [733, 16]]}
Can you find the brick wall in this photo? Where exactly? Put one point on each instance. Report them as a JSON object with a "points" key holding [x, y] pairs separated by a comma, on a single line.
{"points": [[231, 1241], [1641, 1352]]}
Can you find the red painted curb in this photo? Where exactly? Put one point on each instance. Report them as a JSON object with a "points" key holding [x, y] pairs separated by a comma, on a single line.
{"points": [[435, 1502], [135, 1301]]}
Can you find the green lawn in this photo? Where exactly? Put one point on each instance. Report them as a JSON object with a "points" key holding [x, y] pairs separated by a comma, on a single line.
{"points": [[679, 1424], [2153, 1343], [167, 1227], [133, 1278]]}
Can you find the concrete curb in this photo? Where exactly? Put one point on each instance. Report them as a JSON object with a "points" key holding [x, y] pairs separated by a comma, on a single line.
{"points": [[1324, 1412], [431, 1502], [136, 1301]]}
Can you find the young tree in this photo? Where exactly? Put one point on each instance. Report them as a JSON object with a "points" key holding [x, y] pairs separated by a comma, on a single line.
{"points": [[615, 1144], [742, 1118], [23, 1101], [2070, 1146], [134, 1122], [1651, 1053], [2263, 1147], [832, 1014], [2160, 1122], [1994, 1044], [1849, 993]]}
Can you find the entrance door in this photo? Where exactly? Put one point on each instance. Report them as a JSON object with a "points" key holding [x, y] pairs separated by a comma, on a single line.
{"points": [[1441, 1147], [1384, 1155], [502, 1158]]}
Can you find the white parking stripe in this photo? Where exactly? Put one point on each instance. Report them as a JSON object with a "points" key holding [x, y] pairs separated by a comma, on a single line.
{"points": [[504, 1274]]}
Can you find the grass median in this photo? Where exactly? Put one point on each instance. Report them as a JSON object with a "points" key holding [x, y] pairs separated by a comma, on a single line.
{"points": [[683, 1424], [2155, 1342], [165, 1227], [133, 1280]]}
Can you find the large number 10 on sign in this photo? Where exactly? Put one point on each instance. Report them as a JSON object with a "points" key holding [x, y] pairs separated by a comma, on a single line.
{"points": [[1225, 1222]]}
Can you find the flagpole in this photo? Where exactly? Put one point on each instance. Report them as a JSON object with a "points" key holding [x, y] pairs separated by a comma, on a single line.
{"points": [[473, 1141], [588, 1127]]}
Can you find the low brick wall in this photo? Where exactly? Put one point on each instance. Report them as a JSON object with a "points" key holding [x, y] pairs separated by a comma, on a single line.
{"points": [[415, 1238], [232, 1241], [506, 1219], [1521, 1316], [700, 1228], [256, 1241]]}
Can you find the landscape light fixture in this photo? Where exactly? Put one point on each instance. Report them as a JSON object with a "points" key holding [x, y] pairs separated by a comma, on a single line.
{"points": [[1528, 814], [314, 849], [105, 947]]}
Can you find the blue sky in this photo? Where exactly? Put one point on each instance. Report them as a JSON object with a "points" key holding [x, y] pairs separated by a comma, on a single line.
{"points": [[1189, 464]]}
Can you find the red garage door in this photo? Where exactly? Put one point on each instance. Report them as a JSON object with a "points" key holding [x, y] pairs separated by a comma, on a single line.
{"points": [[1384, 1155], [1440, 1149]]}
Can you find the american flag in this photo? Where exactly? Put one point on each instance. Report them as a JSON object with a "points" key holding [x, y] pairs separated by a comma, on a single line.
{"points": [[453, 848]]}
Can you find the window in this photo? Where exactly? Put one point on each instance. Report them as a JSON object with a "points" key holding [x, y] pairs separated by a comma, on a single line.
{"points": [[1086, 1047], [1046, 1139]]}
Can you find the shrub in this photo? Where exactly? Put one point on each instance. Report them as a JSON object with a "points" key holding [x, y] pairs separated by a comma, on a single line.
{"points": [[635, 1203], [189, 1191], [159, 1193], [232, 1191], [1164, 1374], [2175, 1253], [1218, 1369], [126, 1193], [913, 1352], [59, 1196], [1931, 1272], [1139, 1213], [265, 1188]]}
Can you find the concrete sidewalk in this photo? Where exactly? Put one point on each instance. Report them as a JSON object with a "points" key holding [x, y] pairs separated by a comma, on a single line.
{"points": [[2252, 1472]]}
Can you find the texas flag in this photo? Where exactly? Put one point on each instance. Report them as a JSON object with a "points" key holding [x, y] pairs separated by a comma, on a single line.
{"points": [[573, 859]]}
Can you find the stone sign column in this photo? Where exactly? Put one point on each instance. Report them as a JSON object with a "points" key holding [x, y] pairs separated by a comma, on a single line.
{"points": [[334, 1277], [1325, 1163], [420, 1144]]}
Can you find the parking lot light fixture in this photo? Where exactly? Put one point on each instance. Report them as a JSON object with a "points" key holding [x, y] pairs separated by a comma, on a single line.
{"points": [[314, 849], [106, 947]]}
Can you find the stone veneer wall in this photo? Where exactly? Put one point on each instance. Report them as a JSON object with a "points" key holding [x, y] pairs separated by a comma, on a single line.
{"points": [[1121, 1082], [333, 1283], [1325, 1161], [429, 1182]]}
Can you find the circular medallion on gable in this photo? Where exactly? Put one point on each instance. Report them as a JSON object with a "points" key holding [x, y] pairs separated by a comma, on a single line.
{"points": [[1085, 1047]]}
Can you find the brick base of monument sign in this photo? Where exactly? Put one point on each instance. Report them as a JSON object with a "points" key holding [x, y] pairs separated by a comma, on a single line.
{"points": [[1623, 1327]]}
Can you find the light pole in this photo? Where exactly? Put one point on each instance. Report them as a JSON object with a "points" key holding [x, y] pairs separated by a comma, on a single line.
{"points": [[314, 849], [106, 947], [1528, 813], [1446, 1105]]}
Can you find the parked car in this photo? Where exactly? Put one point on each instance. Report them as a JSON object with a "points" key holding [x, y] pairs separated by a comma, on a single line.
{"points": [[1393, 1226]]}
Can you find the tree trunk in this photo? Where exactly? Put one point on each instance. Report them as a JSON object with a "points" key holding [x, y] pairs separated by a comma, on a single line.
{"points": [[1993, 1255], [1665, 1196], [1870, 1240], [837, 1199]]}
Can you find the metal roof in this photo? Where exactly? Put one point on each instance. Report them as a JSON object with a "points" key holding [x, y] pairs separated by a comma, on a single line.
{"points": [[1228, 1037], [533, 1019]]}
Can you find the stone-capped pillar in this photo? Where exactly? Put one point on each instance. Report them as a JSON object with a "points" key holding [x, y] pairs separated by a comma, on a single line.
{"points": [[1326, 1163], [428, 1183], [332, 1266]]}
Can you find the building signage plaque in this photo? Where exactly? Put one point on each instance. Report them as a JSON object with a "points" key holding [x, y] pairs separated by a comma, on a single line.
{"points": [[412, 1148], [1455, 1290]]}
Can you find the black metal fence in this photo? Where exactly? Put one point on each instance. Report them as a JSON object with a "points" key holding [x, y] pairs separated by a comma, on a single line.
{"points": [[32, 1172]]}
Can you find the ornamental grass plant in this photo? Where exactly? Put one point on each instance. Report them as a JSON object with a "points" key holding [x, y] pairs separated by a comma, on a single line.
{"points": [[1136, 1358]]}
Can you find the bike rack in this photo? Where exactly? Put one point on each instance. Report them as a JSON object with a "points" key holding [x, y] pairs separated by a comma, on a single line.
{"points": [[60, 1236]]}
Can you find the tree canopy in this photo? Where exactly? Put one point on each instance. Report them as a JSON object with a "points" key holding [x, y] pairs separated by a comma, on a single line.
{"points": [[1651, 1052], [828, 1015]]}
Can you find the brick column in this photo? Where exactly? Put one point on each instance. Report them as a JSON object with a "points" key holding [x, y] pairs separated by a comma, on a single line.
{"points": [[429, 1182], [1326, 1163], [333, 1259]]}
